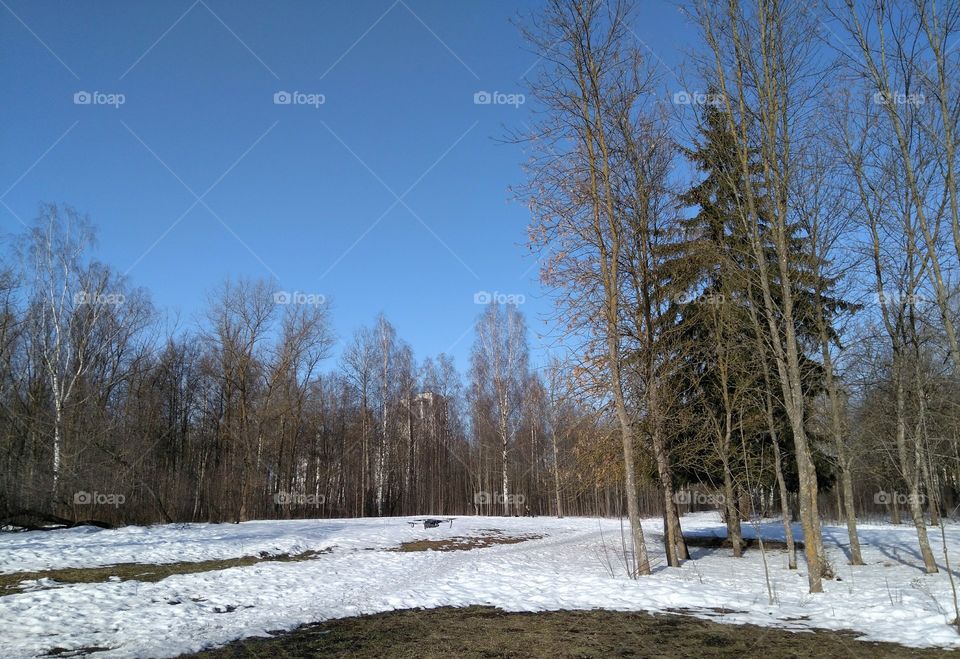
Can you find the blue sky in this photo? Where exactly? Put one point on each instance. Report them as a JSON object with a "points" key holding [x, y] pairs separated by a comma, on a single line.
{"points": [[392, 195]]}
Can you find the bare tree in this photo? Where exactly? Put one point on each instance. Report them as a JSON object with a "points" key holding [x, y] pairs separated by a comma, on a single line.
{"points": [[499, 364], [593, 76], [823, 214], [359, 363], [899, 56]]}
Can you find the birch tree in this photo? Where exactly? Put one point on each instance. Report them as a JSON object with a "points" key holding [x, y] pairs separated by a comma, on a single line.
{"points": [[69, 297], [499, 367]]}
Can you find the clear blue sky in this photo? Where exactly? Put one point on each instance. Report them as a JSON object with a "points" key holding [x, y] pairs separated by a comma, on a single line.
{"points": [[305, 194]]}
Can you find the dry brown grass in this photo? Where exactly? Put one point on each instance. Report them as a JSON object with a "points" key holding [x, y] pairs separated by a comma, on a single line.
{"points": [[15, 582], [489, 538], [480, 632]]}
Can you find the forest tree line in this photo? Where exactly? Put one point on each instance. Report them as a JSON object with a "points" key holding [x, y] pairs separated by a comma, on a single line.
{"points": [[106, 416]]}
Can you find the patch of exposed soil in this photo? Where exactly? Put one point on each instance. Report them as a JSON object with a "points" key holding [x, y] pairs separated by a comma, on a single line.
{"points": [[482, 632], [15, 582]]}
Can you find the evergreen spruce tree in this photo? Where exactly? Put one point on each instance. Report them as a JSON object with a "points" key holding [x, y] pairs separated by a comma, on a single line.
{"points": [[716, 300]]}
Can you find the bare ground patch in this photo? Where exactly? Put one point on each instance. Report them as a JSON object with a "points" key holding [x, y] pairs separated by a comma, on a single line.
{"points": [[16, 582], [476, 632], [721, 542], [489, 538]]}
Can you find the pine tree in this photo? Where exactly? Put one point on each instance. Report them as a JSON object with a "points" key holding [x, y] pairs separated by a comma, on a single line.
{"points": [[727, 378]]}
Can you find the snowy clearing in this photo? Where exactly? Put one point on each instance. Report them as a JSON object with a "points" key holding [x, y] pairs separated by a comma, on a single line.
{"points": [[889, 599]]}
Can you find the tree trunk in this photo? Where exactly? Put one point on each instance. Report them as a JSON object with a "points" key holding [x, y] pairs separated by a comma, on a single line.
{"points": [[556, 473], [731, 514], [785, 511], [641, 562], [843, 462], [911, 475], [849, 509], [57, 441], [672, 537]]}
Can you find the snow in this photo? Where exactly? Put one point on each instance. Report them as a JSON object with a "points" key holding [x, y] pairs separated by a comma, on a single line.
{"points": [[888, 599]]}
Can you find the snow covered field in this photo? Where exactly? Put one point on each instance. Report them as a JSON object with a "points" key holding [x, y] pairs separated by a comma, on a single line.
{"points": [[889, 599]]}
